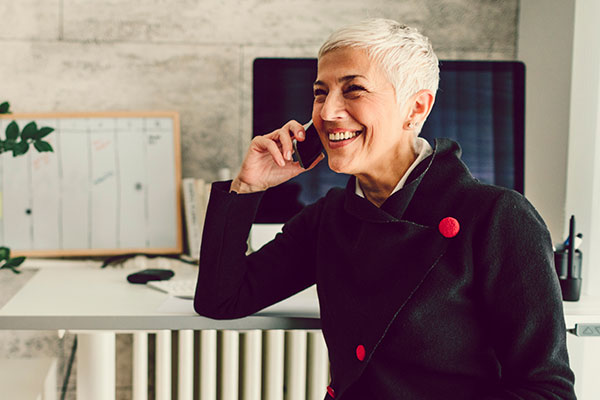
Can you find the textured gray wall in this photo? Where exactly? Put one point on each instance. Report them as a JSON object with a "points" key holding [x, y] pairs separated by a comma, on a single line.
{"points": [[195, 57]]}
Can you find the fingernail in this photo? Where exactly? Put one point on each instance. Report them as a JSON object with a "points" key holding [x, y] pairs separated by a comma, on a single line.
{"points": [[288, 155], [301, 134]]}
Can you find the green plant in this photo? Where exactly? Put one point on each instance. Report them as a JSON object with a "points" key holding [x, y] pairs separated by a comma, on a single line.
{"points": [[19, 143], [10, 263]]}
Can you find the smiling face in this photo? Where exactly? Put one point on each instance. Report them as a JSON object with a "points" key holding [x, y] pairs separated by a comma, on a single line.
{"points": [[357, 115]]}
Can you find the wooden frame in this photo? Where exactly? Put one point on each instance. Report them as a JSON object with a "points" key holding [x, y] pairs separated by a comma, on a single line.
{"points": [[176, 237]]}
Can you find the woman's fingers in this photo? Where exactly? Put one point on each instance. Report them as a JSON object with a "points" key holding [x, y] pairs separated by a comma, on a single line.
{"points": [[265, 143], [269, 161], [285, 136]]}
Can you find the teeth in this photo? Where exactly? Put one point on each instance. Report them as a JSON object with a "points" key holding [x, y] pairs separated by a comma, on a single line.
{"points": [[343, 135]]}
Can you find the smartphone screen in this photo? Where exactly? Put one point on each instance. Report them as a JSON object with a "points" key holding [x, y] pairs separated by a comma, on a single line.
{"points": [[306, 152]]}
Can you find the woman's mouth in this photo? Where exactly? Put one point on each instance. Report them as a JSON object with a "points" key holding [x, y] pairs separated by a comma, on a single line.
{"points": [[345, 135]]}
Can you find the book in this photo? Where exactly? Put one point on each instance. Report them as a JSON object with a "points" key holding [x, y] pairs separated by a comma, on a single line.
{"points": [[190, 204], [196, 192], [201, 203]]}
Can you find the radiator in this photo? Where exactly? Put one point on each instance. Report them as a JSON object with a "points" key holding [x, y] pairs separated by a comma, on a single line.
{"points": [[233, 365]]}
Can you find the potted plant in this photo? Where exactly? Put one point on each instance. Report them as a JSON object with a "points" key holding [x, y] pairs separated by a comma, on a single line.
{"points": [[18, 142]]}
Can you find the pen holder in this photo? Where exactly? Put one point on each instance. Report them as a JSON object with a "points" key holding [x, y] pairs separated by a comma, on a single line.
{"points": [[570, 281]]}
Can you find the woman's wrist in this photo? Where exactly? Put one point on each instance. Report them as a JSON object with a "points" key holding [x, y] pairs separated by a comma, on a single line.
{"points": [[240, 187]]}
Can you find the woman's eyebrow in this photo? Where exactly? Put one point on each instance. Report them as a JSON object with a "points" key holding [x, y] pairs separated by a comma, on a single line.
{"points": [[340, 80], [349, 78]]}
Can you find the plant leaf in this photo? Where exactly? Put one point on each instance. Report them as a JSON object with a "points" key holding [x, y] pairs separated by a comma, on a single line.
{"points": [[4, 253], [14, 262], [43, 132], [42, 146], [12, 131], [4, 108], [29, 131], [20, 148]]}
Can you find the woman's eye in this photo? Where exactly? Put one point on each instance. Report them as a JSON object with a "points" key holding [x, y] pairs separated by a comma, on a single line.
{"points": [[353, 91], [319, 92]]}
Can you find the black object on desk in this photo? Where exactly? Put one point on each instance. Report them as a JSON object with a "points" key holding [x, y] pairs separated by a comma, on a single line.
{"points": [[147, 275], [567, 262]]}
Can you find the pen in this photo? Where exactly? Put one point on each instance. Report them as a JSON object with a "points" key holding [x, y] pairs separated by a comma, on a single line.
{"points": [[571, 247], [578, 240]]}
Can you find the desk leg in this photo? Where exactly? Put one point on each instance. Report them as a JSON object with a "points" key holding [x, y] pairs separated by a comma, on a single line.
{"points": [[96, 366]]}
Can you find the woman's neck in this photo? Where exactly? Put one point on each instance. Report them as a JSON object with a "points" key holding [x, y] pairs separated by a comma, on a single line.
{"points": [[378, 183]]}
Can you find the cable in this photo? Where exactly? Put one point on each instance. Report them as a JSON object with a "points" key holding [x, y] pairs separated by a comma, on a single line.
{"points": [[68, 373], [123, 257]]}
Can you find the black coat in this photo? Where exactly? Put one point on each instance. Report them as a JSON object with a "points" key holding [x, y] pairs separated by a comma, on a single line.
{"points": [[447, 291]]}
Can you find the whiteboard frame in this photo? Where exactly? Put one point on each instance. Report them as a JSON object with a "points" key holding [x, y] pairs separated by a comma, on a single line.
{"points": [[174, 115]]}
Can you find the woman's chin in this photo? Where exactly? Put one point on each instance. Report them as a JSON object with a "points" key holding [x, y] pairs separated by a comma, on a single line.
{"points": [[339, 166]]}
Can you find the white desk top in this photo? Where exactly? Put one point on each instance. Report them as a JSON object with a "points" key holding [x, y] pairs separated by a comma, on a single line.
{"points": [[90, 298], [584, 311], [86, 297]]}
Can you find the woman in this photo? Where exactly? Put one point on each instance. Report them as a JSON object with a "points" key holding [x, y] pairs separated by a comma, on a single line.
{"points": [[431, 284]]}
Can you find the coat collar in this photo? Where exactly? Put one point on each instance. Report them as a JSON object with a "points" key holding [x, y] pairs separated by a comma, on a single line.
{"points": [[394, 208]]}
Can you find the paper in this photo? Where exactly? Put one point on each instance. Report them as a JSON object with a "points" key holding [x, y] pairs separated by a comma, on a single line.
{"points": [[175, 305], [303, 304]]}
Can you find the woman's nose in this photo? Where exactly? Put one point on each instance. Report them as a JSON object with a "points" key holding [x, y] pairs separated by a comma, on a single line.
{"points": [[333, 108]]}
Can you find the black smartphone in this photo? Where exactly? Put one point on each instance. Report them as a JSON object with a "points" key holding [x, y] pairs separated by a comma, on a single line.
{"points": [[306, 152]]}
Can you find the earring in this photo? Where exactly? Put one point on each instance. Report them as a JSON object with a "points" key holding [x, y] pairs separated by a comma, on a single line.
{"points": [[412, 125]]}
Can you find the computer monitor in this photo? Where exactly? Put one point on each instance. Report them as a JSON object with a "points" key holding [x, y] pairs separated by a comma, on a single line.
{"points": [[480, 104]]}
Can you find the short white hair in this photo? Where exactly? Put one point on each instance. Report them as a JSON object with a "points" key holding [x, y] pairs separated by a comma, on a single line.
{"points": [[405, 55]]}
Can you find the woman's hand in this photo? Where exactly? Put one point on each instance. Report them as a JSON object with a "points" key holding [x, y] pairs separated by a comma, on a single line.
{"points": [[269, 162]]}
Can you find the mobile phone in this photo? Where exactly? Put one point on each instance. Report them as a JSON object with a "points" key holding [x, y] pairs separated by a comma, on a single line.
{"points": [[307, 151]]}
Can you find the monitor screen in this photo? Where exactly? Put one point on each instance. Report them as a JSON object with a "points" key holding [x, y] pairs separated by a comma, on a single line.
{"points": [[480, 104]]}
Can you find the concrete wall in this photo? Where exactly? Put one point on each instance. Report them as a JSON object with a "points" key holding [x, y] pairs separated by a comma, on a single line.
{"points": [[195, 57]]}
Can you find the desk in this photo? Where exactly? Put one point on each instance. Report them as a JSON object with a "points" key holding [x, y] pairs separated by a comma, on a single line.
{"points": [[101, 301], [584, 311]]}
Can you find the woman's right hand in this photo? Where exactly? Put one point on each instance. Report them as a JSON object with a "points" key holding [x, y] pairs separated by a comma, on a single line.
{"points": [[269, 162]]}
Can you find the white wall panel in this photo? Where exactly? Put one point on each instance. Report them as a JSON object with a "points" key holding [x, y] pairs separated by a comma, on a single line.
{"points": [[46, 198]]}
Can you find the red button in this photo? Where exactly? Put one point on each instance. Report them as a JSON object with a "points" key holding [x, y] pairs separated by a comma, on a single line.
{"points": [[449, 227], [360, 352], [331, 392]]}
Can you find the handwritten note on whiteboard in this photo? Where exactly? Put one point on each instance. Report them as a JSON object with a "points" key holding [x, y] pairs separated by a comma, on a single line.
{"points": [[111, 186]]}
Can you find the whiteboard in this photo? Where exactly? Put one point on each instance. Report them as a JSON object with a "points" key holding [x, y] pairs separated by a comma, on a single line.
{"points": [[111, 186]]}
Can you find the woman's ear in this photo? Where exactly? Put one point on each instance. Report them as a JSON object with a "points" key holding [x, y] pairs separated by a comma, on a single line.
{"points": [[421, 106]]}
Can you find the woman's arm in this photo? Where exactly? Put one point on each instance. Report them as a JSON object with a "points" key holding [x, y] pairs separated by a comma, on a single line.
{"points": [[523, 303], [232, 284]]}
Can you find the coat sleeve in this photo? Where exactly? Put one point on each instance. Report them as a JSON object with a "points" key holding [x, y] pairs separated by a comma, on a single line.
{"points": [[232, 284], [522, 303]]}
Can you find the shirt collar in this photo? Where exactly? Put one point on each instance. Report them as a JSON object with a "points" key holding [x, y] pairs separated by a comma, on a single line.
{"points": [[422, 151]]}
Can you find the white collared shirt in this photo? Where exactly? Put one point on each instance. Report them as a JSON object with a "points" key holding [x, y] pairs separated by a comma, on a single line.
{"points": [[424, 150]]}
